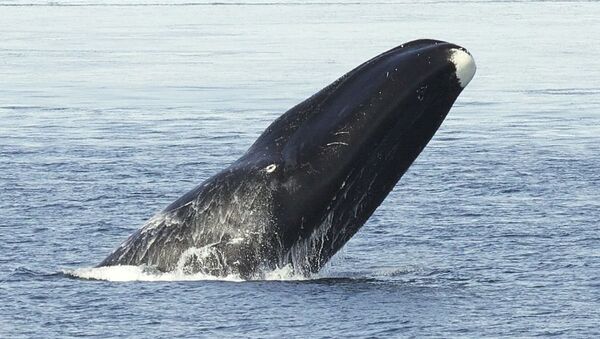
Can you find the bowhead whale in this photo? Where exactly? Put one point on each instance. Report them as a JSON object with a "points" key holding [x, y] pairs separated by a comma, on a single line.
{"points": [[315, 175]]}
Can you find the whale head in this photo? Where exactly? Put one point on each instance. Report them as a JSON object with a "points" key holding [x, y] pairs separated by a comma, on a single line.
{"points": [[332, 159]]}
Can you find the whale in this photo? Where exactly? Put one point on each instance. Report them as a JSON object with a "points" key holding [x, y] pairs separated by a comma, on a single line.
{"points": [[314, 177]]}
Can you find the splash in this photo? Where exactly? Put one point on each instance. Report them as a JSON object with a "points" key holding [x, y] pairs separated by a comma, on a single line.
{"points": [[123, 273], [139, 273]]}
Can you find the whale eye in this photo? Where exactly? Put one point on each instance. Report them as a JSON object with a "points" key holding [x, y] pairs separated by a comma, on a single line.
{"points": [[270, 168]]}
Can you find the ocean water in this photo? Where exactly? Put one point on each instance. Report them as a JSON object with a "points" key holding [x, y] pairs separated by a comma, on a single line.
{"points": [[109, 111]]}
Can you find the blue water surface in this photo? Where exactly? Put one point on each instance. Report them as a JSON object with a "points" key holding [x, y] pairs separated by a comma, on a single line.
{"points": [[111, 110]]}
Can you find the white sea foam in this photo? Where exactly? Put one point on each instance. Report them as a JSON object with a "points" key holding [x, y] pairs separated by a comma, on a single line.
{"points": [[285, 273], [146, 273], [140, 273]]}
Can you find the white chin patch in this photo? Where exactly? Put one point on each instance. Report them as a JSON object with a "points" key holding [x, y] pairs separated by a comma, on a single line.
{"points": [[465, 66]]}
